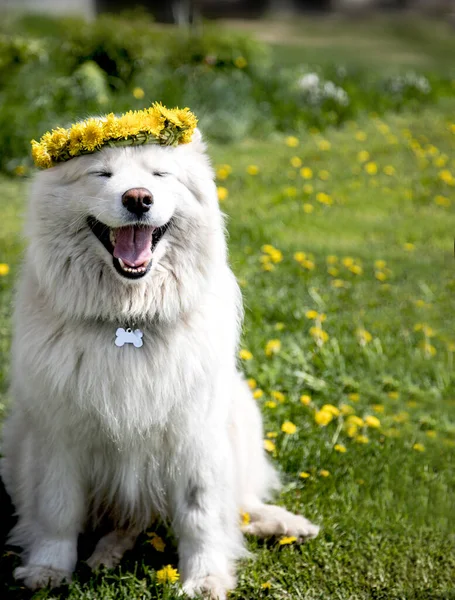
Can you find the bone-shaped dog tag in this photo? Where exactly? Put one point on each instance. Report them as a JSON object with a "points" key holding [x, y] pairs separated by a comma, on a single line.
{"points": [[128, 336]]}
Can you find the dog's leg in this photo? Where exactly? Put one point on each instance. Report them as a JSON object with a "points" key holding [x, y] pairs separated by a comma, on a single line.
{"points": [[51, 520], [111, 548], [268, 520], [205, 518]]}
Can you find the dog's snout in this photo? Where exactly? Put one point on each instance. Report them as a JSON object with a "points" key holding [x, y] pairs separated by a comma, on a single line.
{"points": [[137, 200]]}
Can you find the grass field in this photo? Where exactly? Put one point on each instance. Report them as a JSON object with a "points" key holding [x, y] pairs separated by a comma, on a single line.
{"points": [[343, 245]]}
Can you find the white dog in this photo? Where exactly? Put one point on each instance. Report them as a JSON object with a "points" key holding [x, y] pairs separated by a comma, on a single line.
{"points": [[158, 421]]}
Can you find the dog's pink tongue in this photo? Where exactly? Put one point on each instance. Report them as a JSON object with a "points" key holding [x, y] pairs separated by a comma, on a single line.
{"points": [[133, 245]]}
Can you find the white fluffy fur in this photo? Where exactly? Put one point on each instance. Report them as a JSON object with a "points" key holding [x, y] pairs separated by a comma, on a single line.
{"points": [[169, 429]]}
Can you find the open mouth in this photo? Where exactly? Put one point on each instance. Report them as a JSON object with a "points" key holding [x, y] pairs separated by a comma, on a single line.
{"points": [[131, 247]]}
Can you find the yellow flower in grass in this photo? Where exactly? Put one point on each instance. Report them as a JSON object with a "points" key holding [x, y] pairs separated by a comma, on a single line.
{"points": [[339, 283], [222, 193], [296, 162], [323, 417], [138, 93], [348, 261], [324, 198], [252, 169], [324, 473], [258, 394], [222, 173], [4, 269], [340, 448], [278, 396], [311, 314], [362, 439], [290, 191], [308, 208], [319, 335], [240, 62], [428, 349], [354, 396], [333, 271], [373, 422], [351, 430], [268, 267], [364, 336], [380, 275], [446, 176], [442, 201], [167, 575], [393, 395], [356, 269], [279, 326], [371, 168], [307, 188], [331, 409], [272, 347], [361, 136], [157, 542], [324, 175], [305, 399], [332, 259], [409, 247], [324, 145], [288, 427], [431, 433], [379, 408], [286, 540], [346, 409], [266, 585], [419, 447], [304, 475], [300, 256], [363, 156], [292, 141], [270, 404], [245, 354], [389, 170], [354, 420], [272, 434], [252, 383], [380, 264], [269, 446]]}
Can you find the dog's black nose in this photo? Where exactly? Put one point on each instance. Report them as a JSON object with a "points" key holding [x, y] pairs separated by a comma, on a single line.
{"points": [[137, 200]]}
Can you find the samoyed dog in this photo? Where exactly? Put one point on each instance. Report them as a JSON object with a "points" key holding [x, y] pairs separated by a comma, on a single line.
{"points": [[127, 400]]}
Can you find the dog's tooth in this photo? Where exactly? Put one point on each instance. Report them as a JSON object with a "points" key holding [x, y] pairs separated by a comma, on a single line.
{"points": [[112, 237], [122, 264]]}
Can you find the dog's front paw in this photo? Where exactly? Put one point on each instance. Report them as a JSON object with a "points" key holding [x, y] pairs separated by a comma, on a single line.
{"points": [[213, 587], [39, 576]]}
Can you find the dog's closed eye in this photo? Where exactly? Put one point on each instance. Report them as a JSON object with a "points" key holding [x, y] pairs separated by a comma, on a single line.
{"points": [[106, 173], [160, 173]]}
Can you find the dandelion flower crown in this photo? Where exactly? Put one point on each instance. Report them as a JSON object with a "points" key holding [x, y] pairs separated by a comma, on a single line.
{"points": [[154, 125]]}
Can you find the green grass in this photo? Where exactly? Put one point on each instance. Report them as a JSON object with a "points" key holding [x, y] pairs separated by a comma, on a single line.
{"points": [[386, 509]]}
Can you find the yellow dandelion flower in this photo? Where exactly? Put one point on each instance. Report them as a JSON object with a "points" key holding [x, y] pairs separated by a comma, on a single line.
{"points": [[290, 191], [419, 447], [324, 145], [92, 134], [252, 169], [428, 349], [324, 175], [288, 427], [269, 446], [361, 136], [393, 395], [307, 188], [356, 269], [373, 422], [409, 247], [272, 347], [4, 269], [279, 396], [380, 275], [383, 128], [363, 156], [245, 518], [296, 162], [57, 141], [270, 404], [167, 575], [138, 93], [276, 256], [240, 62], [279, 326], [306, 172], [272, 434], [41, 156], [442, 201], [305, 399], [380, 264], [354, 396], [431, 433], [268, 249], [324, 473], [389, 170], [308, 264], [379, 408], [324, 198], [268, 267], [258, 394], [292, 141], [371, 168], [245, 354], [311, 314], [284, 541], [300, 256], [348, 261], [222, 173], [338, 283], [319, 335], [304, 475], [20, 170], [351, 430], [157, 542], [331, 409], [308, 208], [340, 448], [446, 176], [362, 439], [323, 417], [266, 585], [222, 193], [355, 420], [346, 409], [331, 259], [251, 383], [364, 336]]}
